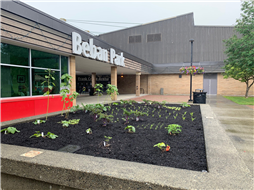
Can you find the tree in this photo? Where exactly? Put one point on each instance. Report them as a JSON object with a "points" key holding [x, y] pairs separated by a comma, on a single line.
{"points": [[239, 64]]}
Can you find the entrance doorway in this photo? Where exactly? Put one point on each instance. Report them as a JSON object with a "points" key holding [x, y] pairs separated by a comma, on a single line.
{"points": [[210, 83]]}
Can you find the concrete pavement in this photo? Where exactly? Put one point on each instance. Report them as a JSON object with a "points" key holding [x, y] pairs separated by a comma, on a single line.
{"points": [[238, 123]]}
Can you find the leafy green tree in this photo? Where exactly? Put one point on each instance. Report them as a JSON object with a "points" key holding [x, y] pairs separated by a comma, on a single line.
{"points": [[240, 48]]}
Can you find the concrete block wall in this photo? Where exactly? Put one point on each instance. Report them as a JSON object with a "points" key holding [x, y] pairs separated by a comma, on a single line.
{"points": [[173, 85], [232, 87]]}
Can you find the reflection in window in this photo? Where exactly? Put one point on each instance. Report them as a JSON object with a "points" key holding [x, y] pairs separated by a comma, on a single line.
{"points": [[45, 60], [38, 76], [14, 81], [14, 55]]}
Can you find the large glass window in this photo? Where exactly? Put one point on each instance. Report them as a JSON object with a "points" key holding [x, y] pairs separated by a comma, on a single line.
{"points": [[14, 81], [44, 60], [38, 76], [14, 55], [22, 76]]}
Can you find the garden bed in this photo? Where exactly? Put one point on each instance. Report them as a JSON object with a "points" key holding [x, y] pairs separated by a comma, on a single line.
{"points": [[187, 149]]}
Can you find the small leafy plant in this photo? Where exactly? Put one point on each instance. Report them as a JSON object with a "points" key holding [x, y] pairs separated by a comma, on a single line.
{"points": [[38, 122], [11, 130], [124, 103], [185, 105], [98, 89], [40, 134], [70, 122], [89, 131], [112, 91], [162, 146], [94, 112], [106, 141], [147, 102], [173, 129], [127, 115], [131, 129], [105, 118], [175, 116], [138, 114]]}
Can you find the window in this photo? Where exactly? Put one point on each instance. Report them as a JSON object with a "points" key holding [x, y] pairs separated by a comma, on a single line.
{"points": [[135, 39], [14, 55], [21, 76], [45, 60], [38, 77], [153, 37], [14, 81]]}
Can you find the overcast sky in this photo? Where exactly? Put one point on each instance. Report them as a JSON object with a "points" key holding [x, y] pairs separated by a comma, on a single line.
{"points": [[212, 12]]}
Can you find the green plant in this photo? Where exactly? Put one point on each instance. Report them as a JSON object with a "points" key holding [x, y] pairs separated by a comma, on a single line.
{"points": [[89, 131], [147, 102], [175, 116], [115, 103], [40, 134], [112, 91], [107, 140], [70, 122], [132, 102], [87, 107], [38, 121], [127, 115], [191, 114], [173, 128], [185, 105], [157, 126], [162, 146], [94, 112], [152, 126], [51, 135], [48, 79], [105, 118], [131, 129], [11, 130], [161, 125], [124, 102], [98, 89], [65, 90], [183, 115], [192, 119], [138, 114], [76, 108]]}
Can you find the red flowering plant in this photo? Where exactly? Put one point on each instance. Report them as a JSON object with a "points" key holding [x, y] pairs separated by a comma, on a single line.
{"points": [[192, 70]]}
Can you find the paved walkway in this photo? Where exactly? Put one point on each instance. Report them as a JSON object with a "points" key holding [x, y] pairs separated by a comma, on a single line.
{"points": [[238, 123]]}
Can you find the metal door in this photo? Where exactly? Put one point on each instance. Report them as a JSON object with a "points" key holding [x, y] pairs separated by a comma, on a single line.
{"points": [[210, 83]]}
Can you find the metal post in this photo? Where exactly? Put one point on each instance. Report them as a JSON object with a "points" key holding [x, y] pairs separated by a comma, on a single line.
{"points": [[191, 40]]}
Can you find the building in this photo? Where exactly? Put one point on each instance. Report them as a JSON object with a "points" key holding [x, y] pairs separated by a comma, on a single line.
{"points": [[166, 45], [32, 42]]}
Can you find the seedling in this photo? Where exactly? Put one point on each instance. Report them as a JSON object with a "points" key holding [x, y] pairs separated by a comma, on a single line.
{"points": [[173, 129], [161, 125], [87, 107], [138, 114], [127, 115], [115, 103], [89, 131], [191, 114], [37, 122], [147, 102], [162, 146], [124, 102], [105, 118], [175, 116], [107, 140], [152, 126], [131, 129], [192, 119], [41, 134], [76, 108], [98, 90], [185, 105], [70, 122], [157, 126], [94, 112], [11, 130]]}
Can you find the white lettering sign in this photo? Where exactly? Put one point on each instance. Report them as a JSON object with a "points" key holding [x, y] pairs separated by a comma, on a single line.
{"points": [[87, 49]]}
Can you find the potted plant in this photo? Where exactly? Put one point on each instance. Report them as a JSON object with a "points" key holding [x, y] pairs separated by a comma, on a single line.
{"points": [[192, 70]]}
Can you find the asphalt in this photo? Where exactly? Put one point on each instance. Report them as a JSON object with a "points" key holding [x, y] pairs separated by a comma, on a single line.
{"points": [[228, 129]]}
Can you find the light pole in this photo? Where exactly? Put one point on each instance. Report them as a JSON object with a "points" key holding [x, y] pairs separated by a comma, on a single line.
{"points": [[191, 41]]}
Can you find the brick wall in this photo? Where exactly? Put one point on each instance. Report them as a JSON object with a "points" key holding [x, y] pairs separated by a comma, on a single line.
{"points": [[231, 87], [127, 84], [173, 85]]}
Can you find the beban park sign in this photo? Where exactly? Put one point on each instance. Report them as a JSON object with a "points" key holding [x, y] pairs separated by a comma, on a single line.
{"points": [[88, 49]]}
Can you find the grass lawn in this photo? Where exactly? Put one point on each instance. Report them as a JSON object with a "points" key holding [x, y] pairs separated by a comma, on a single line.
{"points": [[241, 100]]}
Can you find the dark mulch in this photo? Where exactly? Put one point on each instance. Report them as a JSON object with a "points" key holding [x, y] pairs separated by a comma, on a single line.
{"points": [[187, 148]]}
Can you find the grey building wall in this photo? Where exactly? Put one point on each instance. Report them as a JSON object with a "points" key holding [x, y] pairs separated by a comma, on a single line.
{"points": [[174, 46]]}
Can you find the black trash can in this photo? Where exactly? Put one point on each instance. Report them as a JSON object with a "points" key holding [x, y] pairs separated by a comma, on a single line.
{"points": [[199, 97], [91, 91]]}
